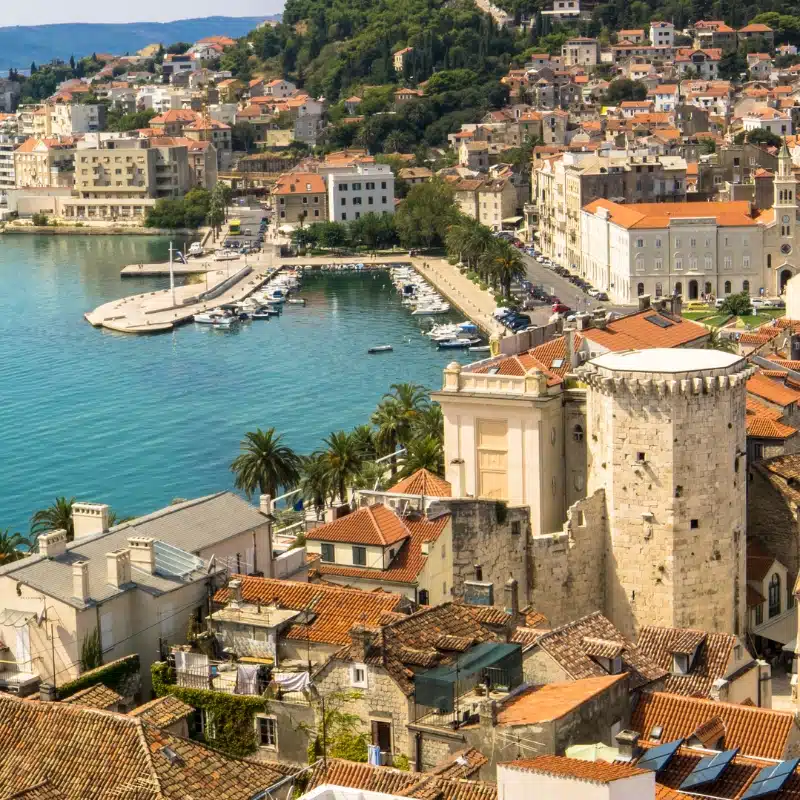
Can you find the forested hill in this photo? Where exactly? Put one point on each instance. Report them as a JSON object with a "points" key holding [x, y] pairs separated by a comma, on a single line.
{"points": [[22, 44]]}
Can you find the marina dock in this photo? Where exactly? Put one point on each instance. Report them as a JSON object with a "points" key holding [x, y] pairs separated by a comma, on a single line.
{"points": [[194, 267], [155, 312]]}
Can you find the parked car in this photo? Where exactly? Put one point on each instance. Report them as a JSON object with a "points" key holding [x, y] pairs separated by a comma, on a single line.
{"points": [[601, 296], [560, 308]]}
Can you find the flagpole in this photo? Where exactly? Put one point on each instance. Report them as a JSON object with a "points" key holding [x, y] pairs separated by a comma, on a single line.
{"points": [[171, 275]]}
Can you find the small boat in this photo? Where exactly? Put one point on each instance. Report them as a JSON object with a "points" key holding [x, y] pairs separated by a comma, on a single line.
{"points": [[480, 348], [454, 344], [297, 301], [381, 348], [226, 256], [429, 311], [262, 313], [216, 317]]}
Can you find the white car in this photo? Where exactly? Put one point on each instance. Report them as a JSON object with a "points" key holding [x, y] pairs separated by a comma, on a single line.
{"points": [[593, 292]]}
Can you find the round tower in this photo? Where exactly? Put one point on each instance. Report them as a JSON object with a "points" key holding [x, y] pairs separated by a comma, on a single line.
{"points": [[667, 444]]}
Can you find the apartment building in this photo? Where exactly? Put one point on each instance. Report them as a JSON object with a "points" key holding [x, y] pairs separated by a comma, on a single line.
{"points": [[9, 95], [8, 144], [218, 133], [662, 34], [580, 51], [497, 201], [46, 163], [362, 189], [300, 197], [68, 119]]}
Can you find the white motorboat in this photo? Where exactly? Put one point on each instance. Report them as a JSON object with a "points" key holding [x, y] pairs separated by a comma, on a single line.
{"points": [[297, 301], [226, 256], [216, 317], [430, 310]]}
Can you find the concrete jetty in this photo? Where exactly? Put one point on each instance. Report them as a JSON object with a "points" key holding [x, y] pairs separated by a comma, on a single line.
{"points": [[194, 267], [155, 312]]}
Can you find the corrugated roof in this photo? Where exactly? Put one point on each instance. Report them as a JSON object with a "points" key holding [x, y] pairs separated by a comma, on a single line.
{"points": [[760, 732]]}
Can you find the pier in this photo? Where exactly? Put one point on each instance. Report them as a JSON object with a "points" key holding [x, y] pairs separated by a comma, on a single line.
{"points": [[158, 312], [195, 267]]}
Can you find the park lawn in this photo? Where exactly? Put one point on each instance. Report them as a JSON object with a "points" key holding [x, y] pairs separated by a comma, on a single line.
{"points": [[716, 321], [696, 315], [761, 318]]}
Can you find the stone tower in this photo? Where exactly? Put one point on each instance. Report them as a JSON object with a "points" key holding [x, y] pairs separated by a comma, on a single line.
{"points": [[667, 443]]}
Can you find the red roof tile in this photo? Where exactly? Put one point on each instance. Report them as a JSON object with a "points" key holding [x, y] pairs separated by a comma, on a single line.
{"points": [[373, 525], [593, 771], [424, 483]]}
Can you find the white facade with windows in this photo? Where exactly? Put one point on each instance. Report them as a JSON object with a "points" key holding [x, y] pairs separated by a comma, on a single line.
{"points": [[360, 190], [692, 249]]}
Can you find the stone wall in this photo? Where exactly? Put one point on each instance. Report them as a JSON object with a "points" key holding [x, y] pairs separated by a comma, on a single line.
{"points": [[567, 568], [539, 668], [772, 519], [437, 745], [494, 536], [382, 699], [296, 725], [668, 449]]}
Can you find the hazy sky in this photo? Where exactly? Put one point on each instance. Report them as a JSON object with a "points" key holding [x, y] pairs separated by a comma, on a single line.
{"points": [[43, 12]]}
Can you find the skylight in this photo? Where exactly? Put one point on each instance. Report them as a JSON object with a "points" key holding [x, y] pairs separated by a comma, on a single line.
{"points": [[660, 321]]}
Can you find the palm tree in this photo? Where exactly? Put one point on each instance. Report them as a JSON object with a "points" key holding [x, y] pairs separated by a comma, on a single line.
{"points": [[11, 546], [396, 414], [716, 341], [265, 464], [343, 461], [364, 436], [430, 422], [57, 517], [479, 241], [504, 264], [370, 476], [314, 484], [423, 453]]}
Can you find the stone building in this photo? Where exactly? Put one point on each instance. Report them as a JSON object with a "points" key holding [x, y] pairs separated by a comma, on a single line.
{"points": [[649, 445]]}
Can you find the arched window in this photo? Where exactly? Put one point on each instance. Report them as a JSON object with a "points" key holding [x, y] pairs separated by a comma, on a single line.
{"points": [[774, 595], [639, 289], [577, 433], [707, 287], [678, 288], [745, 286], [727, 287]]}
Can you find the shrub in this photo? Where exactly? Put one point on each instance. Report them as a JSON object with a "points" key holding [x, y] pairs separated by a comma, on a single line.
{"points": [[737, 304], [40, 220]]}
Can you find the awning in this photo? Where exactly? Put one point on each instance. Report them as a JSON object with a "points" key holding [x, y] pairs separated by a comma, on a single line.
{"points": [[512, 220], [10, 618], [789, 647]]}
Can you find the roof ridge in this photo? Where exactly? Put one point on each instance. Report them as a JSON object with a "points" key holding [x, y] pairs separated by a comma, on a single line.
{"points": [[148, 754]]}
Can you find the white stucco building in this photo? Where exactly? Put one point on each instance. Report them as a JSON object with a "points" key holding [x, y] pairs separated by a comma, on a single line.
{"points": [[362, 189]]}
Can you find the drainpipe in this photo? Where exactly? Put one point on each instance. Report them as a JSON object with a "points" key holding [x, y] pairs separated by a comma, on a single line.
{"points": [[418, 751]]}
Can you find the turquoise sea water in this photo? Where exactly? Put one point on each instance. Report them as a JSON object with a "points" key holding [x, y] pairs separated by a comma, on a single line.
{"points": [[137, 421]]}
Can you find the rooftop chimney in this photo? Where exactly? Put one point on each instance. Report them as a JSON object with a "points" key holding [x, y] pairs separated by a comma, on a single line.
{"points": [[53, 544], [118, 568], [265, 504], [628, 744], [569, 339], [89, 518], [644, 302], [235, 598], [80, 580], [142, 554], [584, 321], [361, 637], [512, 597]]}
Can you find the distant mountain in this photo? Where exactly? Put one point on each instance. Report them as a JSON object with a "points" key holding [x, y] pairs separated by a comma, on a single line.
{"points": [[21, 44]]}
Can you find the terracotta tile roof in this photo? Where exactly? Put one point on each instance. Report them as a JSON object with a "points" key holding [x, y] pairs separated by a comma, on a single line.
{"points": [[759, 561], [665, 793], [765, 428], [300, 183], [760, 732], [424, 786], [408, 561], [174, 115], [658, 215], [754, 598], [374, 525], [425, 483], [565, 646], [527, 636], [637, 332], [772, 391], [42, 791], [163, 711], [553, 700], [711, 661], [97, 696], [709, 733], [593, 771], [97, 755], [756, 408], [460, 765], [489, 615], [335, 609]]}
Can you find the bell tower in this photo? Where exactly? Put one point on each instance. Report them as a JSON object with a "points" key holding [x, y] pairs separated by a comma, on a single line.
{"points": [[785, 205]]}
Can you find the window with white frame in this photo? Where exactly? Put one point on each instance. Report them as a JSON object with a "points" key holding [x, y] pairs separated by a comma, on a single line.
{"points": [[678, 263], [708, 262], [745, 262], [267, 732], [658, 264], [693, 262], [639, 264], [358, 676], [677, 242], [658, 242], [727, 262], [640, 242], [693, 242]]}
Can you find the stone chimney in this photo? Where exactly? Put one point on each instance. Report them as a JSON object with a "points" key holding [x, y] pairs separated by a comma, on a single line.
{"points": [[47, 693], [235, 598], [644, 302], [584, 321], [361, 638], [80, 581], [265, 504], [599, 319], [677, 304], [142, 554], [569, 339], [53, 544], [628, 744], [720, 690], [89, 518], [511, 591], [118, 568]]}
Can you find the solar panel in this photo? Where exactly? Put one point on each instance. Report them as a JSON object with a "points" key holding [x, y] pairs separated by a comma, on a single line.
{"points": [[657, 758], [709, 769], [660, 321], [771, 779]]}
